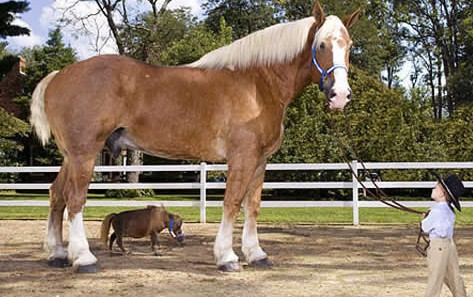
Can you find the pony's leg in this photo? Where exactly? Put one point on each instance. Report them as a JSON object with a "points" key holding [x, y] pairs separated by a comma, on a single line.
{"points": [[120, 243], [80, 170], [254, 255], [53, 241], [112, 240], [155, 243], [240, 171]]}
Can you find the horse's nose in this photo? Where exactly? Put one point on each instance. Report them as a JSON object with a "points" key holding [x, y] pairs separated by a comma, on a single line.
{"points": [[339, 97], [180, 237], [342, 94]]}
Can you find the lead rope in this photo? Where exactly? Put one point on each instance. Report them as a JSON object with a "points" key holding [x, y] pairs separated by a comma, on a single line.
{"points": [[422, 242]]}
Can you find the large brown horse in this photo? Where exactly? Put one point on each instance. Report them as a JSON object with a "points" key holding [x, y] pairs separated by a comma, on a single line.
{"points": [[228, 106]]}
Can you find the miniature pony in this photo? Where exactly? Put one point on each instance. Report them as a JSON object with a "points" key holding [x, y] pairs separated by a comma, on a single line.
{"points": [[140, 223]]}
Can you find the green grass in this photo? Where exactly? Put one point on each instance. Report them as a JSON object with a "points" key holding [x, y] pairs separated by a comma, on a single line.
{"points": [[322, 215]]}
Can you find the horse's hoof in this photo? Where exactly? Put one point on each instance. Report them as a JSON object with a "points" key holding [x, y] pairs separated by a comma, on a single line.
{"points": [[59, 262], [91, 268], [229, 267], [157, 254], [263, 263]]}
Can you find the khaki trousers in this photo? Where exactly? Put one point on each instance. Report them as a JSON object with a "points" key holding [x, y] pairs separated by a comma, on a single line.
{"points": [[442, 260]]}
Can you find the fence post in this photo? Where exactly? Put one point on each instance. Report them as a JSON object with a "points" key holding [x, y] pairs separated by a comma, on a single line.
{"points": [[356, 218], [203, 192]]}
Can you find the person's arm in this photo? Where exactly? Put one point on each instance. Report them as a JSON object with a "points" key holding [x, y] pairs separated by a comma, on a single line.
{"points": [[428, 221]]}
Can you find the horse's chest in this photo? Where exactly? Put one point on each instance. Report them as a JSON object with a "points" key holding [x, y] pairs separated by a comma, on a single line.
{"points": [[274, 140]]}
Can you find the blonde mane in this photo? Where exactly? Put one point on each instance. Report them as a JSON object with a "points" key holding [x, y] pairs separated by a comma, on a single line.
{"points": [[275, 44]]}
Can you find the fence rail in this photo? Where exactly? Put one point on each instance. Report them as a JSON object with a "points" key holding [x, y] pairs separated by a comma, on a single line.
{"points": [[205, 185]]}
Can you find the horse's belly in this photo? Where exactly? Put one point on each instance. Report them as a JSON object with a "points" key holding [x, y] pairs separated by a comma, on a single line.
{"points": [[204, 154], [171, 147], [136, 233]]}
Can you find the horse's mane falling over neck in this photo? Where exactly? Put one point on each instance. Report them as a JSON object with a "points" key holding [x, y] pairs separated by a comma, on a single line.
{"points": [[276, 44]]}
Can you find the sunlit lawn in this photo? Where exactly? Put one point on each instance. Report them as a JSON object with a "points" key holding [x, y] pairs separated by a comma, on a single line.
{"points": [[309, 215], [320, 215]]}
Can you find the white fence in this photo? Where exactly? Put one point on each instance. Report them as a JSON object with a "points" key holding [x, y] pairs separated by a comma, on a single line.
{"points": [[204, 184]]}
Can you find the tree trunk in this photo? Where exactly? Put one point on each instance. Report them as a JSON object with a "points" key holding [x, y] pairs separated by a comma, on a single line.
{"points": [[134, 158]]}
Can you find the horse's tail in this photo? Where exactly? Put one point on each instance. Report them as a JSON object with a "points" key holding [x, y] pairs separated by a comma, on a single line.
{"points": [[38, 119], [105, 229]]}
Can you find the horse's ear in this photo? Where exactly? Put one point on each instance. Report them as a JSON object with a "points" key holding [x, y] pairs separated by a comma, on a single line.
{"points": [[350, 20], [319, 14]]}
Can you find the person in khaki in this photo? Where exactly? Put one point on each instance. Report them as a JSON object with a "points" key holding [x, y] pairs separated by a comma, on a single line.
{"points": [[442, 256]]}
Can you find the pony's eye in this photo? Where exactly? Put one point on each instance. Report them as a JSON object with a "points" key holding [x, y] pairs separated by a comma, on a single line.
{"points": [[322, 45]]}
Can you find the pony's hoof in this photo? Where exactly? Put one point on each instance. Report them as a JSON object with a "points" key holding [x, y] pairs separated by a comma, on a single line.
{"points": [[263, 263], [229, 267], [157, 254], [91, 268], [59, 262]]}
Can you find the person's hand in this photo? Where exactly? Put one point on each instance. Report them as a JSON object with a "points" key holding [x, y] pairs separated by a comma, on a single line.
{"points": [[426, 214]]}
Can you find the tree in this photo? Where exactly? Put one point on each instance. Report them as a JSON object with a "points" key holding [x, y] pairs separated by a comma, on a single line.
{"points": [[380, 124], [7, 60], [10, 128], [433, 32], [148, 37], [244, 16], [460, 84], [8, 10], [196, 43], [54, 55]]}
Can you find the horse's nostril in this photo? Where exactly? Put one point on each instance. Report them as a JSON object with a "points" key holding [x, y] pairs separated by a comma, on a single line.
{"points": [[349, 96], [332, 94]]}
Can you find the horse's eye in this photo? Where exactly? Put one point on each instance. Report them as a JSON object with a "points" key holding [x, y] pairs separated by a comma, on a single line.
{"points": [[322, 45]]}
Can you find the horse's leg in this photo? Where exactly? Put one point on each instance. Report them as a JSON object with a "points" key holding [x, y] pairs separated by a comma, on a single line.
{"points": [[241, 168], [112, 240], [254, 255], [80, 169], [120, 242], [53, 240], [155, 243]]}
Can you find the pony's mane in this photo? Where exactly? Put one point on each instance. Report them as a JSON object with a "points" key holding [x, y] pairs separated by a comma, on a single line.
{"points": [[275, 44]]}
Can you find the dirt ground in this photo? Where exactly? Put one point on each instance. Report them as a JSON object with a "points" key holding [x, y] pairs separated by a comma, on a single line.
{"points": [[309, 260]]}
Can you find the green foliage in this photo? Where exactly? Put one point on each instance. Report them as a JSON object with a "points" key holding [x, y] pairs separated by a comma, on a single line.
{"points": [[439, 42], [196, 43], [129, 193], [460, 83], [244, 16], [147, 37], [6, 63], [323, 215], [55, 55], [10, 127], [296, 9], [379, 125]]}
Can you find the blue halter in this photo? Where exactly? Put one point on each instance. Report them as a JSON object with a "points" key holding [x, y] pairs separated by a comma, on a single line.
{"points": [[171, 223], [323, 72], [179, 236]]}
